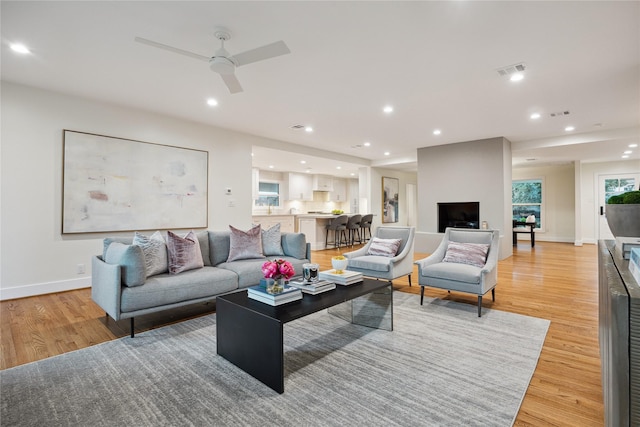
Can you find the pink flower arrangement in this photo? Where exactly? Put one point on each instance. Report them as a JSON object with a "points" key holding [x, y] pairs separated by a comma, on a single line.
{"points": [[278, 269]]}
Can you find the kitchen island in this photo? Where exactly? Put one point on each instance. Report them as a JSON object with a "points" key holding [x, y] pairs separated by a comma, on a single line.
{"points": [[314, 227]]}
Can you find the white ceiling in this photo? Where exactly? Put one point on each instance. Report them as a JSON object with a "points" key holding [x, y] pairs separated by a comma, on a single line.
{"points": [[435, 62]]}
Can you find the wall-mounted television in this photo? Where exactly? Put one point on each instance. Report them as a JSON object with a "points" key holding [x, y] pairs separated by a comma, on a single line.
{"points": [[458, 215]]}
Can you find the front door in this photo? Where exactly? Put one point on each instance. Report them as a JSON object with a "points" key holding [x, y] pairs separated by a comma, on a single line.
{"points": [[610, 185]]}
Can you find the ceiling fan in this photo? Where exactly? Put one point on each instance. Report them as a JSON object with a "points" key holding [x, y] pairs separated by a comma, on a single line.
{"points": [[222, 62]]}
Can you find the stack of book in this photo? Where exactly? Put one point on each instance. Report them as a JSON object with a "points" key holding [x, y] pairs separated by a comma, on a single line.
{"points": [[259, 293], [313, 288], [625, 244], [634, 263], [345, 278]]}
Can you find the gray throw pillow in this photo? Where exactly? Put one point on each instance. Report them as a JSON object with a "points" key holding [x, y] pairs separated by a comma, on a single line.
{"points": [[245, 244], [272, 241], [184, 252], [131, 261], [155, 252], [467, 253]]}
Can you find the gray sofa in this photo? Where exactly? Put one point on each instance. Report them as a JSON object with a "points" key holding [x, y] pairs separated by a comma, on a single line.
{"points": [[165, 291]]}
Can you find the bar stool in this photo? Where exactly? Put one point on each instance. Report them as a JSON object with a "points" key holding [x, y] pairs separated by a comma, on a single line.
{"points": [[365, 224], [339, 227], [353, 226]]}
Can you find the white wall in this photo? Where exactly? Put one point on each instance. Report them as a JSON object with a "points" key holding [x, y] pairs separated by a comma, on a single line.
{"points": [[375, 199], [559, 201], [465, 172], [588, 187], [35, 257]]}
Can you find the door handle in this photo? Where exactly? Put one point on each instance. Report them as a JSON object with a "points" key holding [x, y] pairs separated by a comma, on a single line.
{"points": [[601, 210]]}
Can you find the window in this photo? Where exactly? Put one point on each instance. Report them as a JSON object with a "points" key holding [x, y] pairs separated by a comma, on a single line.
{"points": [[268, 194], [526, 196]]}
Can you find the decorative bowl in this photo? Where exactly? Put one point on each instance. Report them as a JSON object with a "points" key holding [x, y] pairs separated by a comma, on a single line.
{"points": [[339, 263]]}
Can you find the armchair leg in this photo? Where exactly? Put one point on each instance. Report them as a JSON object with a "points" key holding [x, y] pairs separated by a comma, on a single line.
{"points": [[493, 294], [421, 294], [409, 280], [479, 305], [132, 331]]}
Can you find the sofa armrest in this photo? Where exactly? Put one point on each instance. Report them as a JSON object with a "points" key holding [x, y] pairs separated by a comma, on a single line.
{"points": [[106, 286]]}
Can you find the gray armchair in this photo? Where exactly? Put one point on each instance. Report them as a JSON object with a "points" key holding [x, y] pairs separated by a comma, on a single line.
{"points": [[460, 276], [383, 267]]}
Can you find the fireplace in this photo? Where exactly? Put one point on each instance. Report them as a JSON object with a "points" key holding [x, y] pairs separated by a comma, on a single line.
{"points": [[458, 215]]}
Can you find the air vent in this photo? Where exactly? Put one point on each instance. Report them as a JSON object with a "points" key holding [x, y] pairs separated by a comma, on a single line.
{"points": [[559, 113], [297, 127], [511, 69]]}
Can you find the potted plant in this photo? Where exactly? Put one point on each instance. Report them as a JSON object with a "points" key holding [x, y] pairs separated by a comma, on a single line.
{"points": [[623, 214]]}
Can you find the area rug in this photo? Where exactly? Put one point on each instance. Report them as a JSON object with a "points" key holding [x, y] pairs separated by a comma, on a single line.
{"points": [[441, 365]]}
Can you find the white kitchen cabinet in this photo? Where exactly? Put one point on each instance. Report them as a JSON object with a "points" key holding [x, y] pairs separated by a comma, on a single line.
{"points": [[322, 183], [339, 192], [255, 183], [299, 186], [354, 196]]}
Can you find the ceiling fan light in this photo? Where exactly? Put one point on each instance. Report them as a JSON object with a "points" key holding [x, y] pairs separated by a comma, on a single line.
{"points": [[221, 65]]}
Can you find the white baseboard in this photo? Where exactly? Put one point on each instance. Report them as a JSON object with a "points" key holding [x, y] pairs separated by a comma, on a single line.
{"points": [[44, 288]]}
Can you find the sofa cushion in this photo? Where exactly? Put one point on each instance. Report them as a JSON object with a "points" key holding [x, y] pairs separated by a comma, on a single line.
{"points": [[155, 252], [371, 262], [219, 243], [294, 245], [245, 244], [272, 241], [384, 247], [184, 252], [453, 271], [164, 289], [130, 258], [109, 240], [203, 239], [467, 253]]}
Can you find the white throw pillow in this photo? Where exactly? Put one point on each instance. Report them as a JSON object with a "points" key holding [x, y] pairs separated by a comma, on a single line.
{"points": [[155, 252], [384, 247]]}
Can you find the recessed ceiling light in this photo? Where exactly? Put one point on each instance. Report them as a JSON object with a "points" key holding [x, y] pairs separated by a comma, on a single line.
{"points": [[628, 152], [437, 132], [308, 171], [535, 116], [270, 166], [20, 48], [633, 145], [211, 102], [386, 153], [367, 144], [308, 129], [388, 109], [625, 156], [338, 167], [352, 174], [516, 77], [569, 128]]}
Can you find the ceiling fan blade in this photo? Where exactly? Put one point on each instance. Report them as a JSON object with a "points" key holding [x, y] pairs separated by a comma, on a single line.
{"points": [[232, 82], [261, 53], [172, 49]]}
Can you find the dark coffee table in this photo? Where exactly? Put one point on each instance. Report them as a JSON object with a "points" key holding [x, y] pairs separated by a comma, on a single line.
{"points": [[250, 333]]}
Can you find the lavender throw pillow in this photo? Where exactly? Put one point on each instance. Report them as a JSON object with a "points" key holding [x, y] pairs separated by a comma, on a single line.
{"points": [[184, 252], [384, 247], [245, 244], [467, 253]]}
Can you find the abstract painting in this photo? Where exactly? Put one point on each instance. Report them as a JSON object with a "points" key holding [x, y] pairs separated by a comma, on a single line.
{"points": [[114, 184], [390, 207]]}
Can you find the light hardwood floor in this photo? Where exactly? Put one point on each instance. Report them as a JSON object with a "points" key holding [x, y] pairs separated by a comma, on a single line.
{"points": [[555, 281]]}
